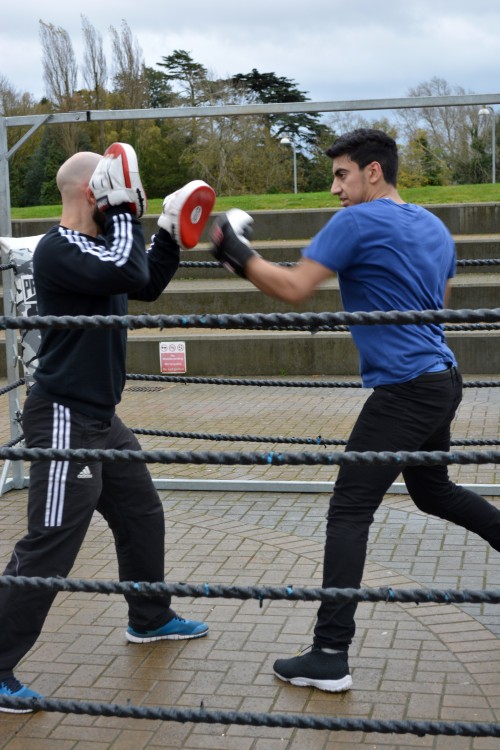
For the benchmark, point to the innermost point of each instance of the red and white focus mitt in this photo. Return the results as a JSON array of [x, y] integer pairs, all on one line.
[[116, 180], [230, 235], [186, 212]]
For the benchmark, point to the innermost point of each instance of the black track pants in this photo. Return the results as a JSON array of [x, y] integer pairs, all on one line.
[[404, 417], [63, 496]]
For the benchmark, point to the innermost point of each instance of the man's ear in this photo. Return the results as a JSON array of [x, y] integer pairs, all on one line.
[[375, 172], [90, 196]]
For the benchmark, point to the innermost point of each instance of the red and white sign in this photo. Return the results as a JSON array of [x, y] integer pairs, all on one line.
[[172, 356]]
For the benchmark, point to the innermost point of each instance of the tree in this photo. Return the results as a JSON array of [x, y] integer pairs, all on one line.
[[95, 73], [60, 73], [94, 70], [158, 88], [188, 74], [268, 88], [13, 102], [419, 164], [129, 78], [448, 128], [60, 70], [476, 168]]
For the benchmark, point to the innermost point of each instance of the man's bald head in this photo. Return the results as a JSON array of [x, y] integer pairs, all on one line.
[[74, 175]]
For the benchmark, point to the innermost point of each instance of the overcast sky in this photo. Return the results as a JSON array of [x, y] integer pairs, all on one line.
[[332, 50]]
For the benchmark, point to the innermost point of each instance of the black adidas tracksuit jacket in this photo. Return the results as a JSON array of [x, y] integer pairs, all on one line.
[[79, 275], [78, 382]]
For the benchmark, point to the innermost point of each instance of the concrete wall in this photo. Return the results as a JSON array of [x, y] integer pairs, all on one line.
[[477, 218]]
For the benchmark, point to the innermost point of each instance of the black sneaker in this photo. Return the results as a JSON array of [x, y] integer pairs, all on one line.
[[316, 669]]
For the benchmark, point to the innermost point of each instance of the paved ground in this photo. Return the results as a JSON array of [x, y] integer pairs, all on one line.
[[409, 662]]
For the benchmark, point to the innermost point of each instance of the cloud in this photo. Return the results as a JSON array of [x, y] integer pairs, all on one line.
[[331, 50]]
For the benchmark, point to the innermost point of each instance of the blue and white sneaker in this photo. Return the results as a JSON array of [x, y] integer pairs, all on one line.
[[12, 688], [176, 629]]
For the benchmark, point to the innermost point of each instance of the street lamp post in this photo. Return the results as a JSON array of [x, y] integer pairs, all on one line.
[[287, 142], [487, 111]]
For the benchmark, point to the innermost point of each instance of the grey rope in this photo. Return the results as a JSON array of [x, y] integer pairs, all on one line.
[[258, 593], [280, 383], [273, 458], [264, 438], [11, 386], [277, 438], [246, 718], [215, 264], [250, 320]]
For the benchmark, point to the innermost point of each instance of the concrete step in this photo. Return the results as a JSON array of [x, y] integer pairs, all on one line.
[[232, 295], [460, 218], [228, 294], [469, 247], [265, 353]]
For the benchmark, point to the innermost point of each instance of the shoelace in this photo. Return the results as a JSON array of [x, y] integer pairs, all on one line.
[[11, 684]]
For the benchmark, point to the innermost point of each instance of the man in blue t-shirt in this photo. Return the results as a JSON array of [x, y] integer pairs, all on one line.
[[388, 255]]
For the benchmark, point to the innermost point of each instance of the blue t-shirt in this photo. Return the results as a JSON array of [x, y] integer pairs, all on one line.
[[390, 256]]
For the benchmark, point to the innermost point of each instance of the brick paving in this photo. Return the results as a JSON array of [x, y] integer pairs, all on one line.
[[408, 662]]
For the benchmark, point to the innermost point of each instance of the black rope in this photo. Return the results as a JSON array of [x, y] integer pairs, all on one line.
[[6, 266], [261, 382], [246, 381], [239, 438], [280, 383], [250, 320], [479, 262], [420, 728], [11, 386], [274, 458], [257, 593], [276, 438], [215, 264], [12, 442], [264, 438]]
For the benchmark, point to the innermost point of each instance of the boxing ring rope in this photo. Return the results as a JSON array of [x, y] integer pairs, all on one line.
[[309, 321], [420, 728], [304, 321]]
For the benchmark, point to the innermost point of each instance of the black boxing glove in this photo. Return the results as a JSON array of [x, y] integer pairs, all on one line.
[[230, 235]]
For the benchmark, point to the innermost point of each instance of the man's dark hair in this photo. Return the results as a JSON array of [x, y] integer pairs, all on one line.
[[366, 145]]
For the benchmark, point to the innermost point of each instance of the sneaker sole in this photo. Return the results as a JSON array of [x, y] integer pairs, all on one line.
[[6, 710], [174, 637], [330, 686]]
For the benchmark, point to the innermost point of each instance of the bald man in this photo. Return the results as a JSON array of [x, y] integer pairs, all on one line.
[[91, 264]]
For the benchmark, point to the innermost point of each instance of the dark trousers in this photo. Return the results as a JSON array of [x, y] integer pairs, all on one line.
[[405, 417], [62, 498]]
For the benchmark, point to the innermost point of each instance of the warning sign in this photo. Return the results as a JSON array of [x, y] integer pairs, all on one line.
[[172, 356]]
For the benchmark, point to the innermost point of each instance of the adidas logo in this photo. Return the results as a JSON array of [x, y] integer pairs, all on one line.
[[85, 473]]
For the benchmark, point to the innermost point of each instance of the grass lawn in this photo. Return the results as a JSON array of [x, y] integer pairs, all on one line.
[[488, 193]]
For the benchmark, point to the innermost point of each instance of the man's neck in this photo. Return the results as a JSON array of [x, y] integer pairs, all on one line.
[[77, 222], [390, 192]]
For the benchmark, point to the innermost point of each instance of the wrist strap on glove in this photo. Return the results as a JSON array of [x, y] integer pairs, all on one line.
[[230, 235]]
